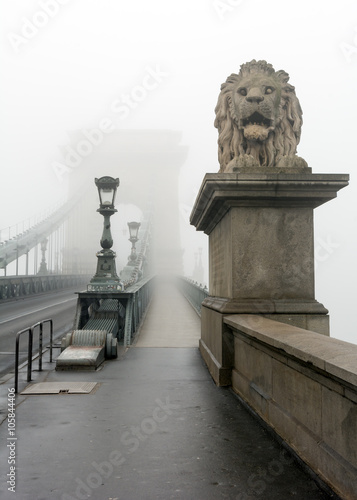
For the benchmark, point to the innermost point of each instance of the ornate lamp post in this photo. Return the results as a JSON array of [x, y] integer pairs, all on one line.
[[133, 230], [106, 278], [43, 265]]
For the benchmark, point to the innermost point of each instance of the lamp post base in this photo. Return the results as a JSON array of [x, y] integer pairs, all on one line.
[[106, 278]]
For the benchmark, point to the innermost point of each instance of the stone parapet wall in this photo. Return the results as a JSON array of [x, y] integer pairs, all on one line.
[[304, 385]]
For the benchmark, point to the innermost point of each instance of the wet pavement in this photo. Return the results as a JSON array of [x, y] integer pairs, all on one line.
[[156, 427]]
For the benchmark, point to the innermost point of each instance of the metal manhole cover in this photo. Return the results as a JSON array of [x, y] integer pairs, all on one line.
[[60, 388]]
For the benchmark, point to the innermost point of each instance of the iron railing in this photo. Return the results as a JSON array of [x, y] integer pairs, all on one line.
[[127, 306], [22, 286], [194, 292], [30, 331], [138, 296], [29, 355]]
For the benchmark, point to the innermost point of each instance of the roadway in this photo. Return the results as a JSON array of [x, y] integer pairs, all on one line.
[[16, 315]]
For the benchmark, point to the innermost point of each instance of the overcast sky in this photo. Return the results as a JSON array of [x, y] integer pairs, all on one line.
[[68, 65]]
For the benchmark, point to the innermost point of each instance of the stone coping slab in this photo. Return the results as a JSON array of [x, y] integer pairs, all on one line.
[[336, 357], [264, 306]]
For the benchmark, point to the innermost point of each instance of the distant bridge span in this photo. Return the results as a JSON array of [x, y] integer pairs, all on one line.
[[148, 165], [14, 248]]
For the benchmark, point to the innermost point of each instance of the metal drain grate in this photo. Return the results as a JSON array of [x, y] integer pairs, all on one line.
[[60, 388]]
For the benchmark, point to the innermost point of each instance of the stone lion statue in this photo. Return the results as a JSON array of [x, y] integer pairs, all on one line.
[[259, 119]]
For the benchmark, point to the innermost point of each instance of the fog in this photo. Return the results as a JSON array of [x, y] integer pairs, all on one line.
[[74, 66]]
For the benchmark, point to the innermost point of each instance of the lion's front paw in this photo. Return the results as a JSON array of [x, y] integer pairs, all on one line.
[[242, 162], [292, 162]]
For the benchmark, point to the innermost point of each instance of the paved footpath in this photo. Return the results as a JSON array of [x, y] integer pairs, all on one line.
[[156, 428], [172, 322]]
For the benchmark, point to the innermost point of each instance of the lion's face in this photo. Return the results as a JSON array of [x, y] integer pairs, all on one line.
[[255, 106], [258, 117]]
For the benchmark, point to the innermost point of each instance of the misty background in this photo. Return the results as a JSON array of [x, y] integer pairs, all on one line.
[[70, 66]]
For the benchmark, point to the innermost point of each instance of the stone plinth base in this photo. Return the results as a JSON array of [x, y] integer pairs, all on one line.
[[261, 253], [216, 344], [318, 323], [311, 315]]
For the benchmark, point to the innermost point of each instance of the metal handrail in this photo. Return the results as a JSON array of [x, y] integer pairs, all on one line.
[[40, 324], [29, 358], [138, 300], [30, 330], [13, 287], [194, 292]]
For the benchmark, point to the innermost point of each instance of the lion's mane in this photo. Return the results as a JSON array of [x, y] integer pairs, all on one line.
[[282, 141]]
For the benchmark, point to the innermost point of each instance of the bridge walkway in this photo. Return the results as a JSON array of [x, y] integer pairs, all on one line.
[[156, 428], [171, 321]]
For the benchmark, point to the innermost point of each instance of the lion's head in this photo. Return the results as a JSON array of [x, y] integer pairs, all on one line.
[[258, 117]]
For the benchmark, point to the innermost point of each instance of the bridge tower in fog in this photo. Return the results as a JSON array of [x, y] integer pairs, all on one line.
[[147, 163]]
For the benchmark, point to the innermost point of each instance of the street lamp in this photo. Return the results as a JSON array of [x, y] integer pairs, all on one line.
[[43, 265], [106, 278], [133, 231], [107, 189]]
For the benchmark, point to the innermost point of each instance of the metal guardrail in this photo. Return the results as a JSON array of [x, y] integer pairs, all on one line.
[[30, 331], [127, 306], [29, 356], [40, 325], [139, 296], [194, 292], [22, 286]]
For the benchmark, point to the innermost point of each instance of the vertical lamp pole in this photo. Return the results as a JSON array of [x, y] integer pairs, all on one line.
[[43, 265], [106, 278], [133, 230]]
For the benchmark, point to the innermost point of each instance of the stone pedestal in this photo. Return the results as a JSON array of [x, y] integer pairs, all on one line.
[[261, 253]]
